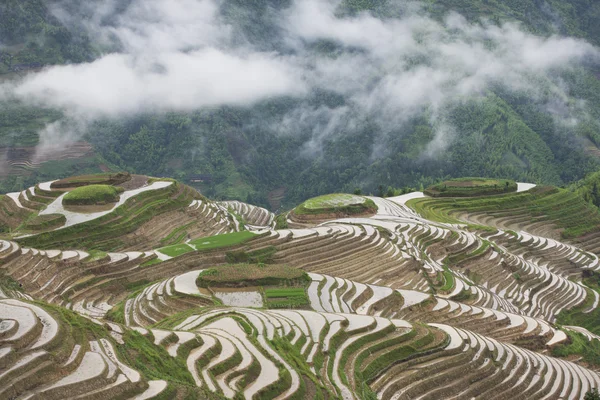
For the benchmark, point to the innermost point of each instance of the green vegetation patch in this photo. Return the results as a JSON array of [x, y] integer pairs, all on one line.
[[94, 179], [152, 361], [336, 203], [471, 187], [48, 221], [563, 208], [177, 235], [240, 275], [7, 283], [262, 255], [578, 316], [225, 240], [95, 255], [281, 221], [151, 262], [335, 200], [579, 345], [92, 195], [176, 249], [209, 243], [448, 280], [291, 297]]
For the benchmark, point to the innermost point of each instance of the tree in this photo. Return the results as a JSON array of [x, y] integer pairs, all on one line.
[[592, 395], [596, 194]]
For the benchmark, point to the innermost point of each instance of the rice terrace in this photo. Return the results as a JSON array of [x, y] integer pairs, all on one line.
[[299, 199], [170, 295]]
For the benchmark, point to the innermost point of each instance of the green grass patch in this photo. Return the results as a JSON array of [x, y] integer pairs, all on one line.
[[239, 218], [7, 283], [176, 249], [208, 243], [151, 262], [579, 345], [292, 297], [152, 361], [117, 313], [173, 320], [43, 222], [336, 203], [92, 195], [448, 280], [225, 240], [95, 255], [177, 235], [241, 275], [263, 255]]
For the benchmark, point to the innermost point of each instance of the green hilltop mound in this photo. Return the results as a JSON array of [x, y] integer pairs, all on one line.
[[93, 179], [93, 195], [471, 187], [240, 275], [336, 203]]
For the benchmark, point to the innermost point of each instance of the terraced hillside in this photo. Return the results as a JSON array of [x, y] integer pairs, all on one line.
[[149, 213], [410, 298]]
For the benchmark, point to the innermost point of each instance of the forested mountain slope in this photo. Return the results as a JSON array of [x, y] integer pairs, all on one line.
[[432, 89]]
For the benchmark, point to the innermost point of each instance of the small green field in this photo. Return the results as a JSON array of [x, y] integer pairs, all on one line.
[[176, 249], [48, 221], [292, 297], [95, 255], [207, 243], [240, 275], [471, 187], [227, 239], [92, 195], [335, 203]]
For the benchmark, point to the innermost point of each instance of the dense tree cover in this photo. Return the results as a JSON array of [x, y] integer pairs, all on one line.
[[240, 152], [589, 188], [241, 159], [34, 37], [577, 18], [592, 395]]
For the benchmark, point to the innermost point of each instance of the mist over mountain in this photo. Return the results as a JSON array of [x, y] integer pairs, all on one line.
[[289, 99]]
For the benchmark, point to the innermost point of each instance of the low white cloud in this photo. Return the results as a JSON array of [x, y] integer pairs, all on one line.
[[179, 55], [122, 83], [175, 55], [394, 69]]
